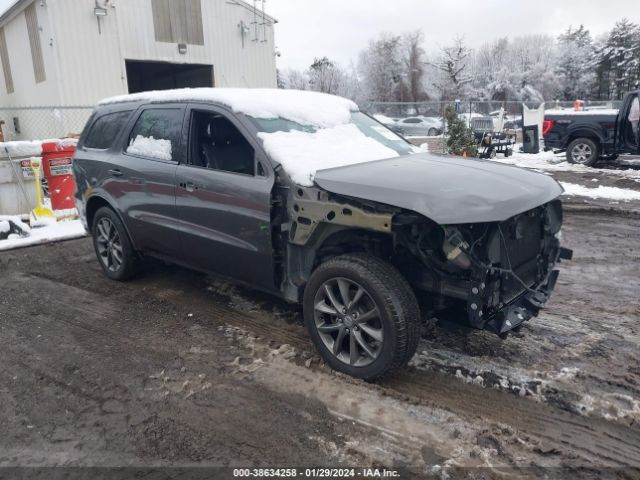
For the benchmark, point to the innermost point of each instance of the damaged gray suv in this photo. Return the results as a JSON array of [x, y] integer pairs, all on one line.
[[301, 195]]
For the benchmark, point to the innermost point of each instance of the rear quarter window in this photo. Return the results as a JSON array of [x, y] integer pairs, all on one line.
[[105, 129]]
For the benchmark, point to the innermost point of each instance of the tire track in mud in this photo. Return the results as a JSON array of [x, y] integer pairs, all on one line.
[[595, 441]]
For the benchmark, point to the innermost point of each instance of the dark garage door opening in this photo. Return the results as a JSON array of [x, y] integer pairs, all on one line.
[[145, 76]]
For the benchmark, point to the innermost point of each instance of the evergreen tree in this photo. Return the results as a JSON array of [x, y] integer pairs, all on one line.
[[618, 62], [574, 63], [461, 138]]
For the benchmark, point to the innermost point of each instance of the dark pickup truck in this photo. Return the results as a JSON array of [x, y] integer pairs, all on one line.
[[593, 135]]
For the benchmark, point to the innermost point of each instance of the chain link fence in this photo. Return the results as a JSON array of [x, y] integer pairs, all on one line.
[[467, 108], [37, 123]]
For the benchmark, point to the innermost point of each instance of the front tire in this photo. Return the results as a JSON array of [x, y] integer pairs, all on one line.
[[113, 248], [362, 316], [432, 132], [583, 151]]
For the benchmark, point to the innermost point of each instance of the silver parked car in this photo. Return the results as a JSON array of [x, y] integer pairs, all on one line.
[[420, 126]]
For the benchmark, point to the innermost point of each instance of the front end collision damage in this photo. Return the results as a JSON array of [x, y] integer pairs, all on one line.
[[501, 273]]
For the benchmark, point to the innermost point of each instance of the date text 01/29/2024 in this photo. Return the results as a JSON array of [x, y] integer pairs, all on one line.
[[315, 473]]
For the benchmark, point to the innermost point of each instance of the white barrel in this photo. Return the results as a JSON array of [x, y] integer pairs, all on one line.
[[12, 198]]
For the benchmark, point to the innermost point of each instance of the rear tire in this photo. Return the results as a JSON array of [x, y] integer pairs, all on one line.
[[339, 300], [583, 151], [432, 132], [116, 255]]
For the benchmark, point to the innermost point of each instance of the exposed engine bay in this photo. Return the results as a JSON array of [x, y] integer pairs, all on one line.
[[504, 271]]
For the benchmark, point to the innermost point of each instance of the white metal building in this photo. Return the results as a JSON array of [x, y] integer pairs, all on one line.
[[72, 53]]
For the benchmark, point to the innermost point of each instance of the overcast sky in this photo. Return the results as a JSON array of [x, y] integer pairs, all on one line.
[[4, 4], [339, 29]]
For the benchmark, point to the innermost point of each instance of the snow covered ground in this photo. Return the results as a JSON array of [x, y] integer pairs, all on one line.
[[48, 232], [611, 193], [617, 182], [551, 162]]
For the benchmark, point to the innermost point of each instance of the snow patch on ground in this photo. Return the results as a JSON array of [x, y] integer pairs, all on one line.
[[52, 231], [301, 154], [304, 107], [151, 147], [547, 386], [551, 162], [612, 193]]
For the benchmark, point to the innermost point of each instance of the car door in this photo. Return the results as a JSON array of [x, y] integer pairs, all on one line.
[[223, 198], [628, 126], [144, 176]]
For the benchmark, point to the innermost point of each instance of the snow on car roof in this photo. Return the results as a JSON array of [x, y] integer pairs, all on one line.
[[335, 141], [569, 111], [304, 107]]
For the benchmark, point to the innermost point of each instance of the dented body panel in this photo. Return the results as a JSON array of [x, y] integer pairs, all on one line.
[[448, 190]]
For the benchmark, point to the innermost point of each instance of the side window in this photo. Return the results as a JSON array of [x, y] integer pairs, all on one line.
[[156, 134], [217, 144], [412, 120], [105, 130]]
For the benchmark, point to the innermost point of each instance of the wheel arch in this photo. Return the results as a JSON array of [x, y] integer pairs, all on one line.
[[95, 203], [583, 132], [352, 240], [330, 241]]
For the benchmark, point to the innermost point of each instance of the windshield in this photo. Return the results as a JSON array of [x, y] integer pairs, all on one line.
[[367, 125]]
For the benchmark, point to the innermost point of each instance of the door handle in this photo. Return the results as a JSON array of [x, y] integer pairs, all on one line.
[[116, 172]]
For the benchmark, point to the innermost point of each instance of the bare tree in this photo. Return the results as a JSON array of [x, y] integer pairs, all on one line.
[[453, 64], [415, 66], [326, 76], [294, 79]]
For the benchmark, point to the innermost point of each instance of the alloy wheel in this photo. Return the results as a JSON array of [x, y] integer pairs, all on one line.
[[348, 322], [581, 153], [109, 245]]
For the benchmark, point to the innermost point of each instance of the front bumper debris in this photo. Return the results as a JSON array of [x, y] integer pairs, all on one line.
[[521, 309], [525, 306]]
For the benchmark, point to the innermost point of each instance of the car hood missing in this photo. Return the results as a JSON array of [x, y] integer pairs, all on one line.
[[448, 190]]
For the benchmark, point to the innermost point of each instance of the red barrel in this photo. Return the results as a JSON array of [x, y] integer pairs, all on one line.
[[57, 162]]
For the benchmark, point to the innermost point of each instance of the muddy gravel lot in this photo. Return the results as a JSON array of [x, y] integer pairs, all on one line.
[[181, 369]]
